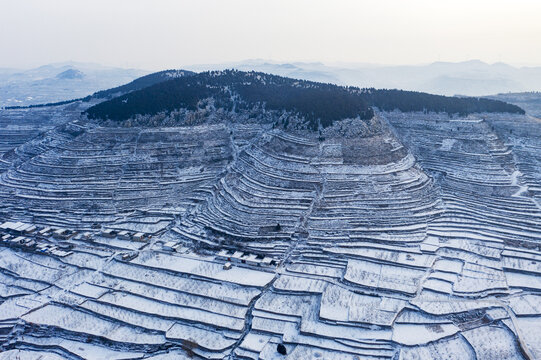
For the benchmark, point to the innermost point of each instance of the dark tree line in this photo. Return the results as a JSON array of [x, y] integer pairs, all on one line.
[[320, 104], [45, 105], [408, 101]]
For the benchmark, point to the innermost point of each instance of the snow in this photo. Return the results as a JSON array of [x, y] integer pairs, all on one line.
[[526, 304], [530, 328], [80, 322], [89, 290], [82, 349], [269, 325], [397, 278], [165, 310], [29, 355], [395, 256], [320, 270], [450, 306], [523, 280], [342, 305], [206, 268], [14, 308], [420, 334], [127, 316], [514, 182], [476, 278], [455, 348], [491, 342], [207, 339], [8, 291], [451, 266], [438, 285], [354, 333], [255, 342], [299, 284], [447, 144], [180, 298], [25, 268], [174, 354], [225, 291]]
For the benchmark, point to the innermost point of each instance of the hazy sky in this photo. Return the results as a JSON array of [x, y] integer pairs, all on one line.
[[157, 34]]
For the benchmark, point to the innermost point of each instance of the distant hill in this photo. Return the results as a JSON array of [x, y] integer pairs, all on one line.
[[529, 101], [469, 78], [60, 82], [318, 103], [70, 74]]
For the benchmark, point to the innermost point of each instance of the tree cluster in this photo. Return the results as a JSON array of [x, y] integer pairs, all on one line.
[[411, 101]]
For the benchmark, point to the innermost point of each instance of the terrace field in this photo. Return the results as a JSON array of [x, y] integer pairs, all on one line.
[[410, 235]]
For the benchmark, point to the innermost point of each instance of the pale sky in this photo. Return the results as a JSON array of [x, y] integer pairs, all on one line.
[[158, 34]]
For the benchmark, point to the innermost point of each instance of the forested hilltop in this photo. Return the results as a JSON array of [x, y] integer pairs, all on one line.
[[320, 104]]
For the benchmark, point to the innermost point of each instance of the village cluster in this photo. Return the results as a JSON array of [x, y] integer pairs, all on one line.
[[54, 241]]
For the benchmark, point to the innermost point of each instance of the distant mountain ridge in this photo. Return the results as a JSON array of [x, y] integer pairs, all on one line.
[[55, 82], [469, 78]]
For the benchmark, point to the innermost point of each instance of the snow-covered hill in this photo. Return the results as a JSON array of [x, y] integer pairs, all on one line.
[[59, 82]]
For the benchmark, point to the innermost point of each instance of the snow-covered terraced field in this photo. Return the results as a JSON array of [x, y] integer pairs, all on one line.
[[28, 126], [421, 240], [113, 175]]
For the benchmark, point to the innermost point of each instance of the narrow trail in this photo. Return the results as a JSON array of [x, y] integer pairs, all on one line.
[[512, 317], [236, 150], [281, 268], [520, 336], [249, 317], [301, 225]]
